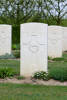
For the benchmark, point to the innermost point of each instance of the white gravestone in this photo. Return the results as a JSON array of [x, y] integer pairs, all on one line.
[[64, 38], [54, 41], [33, 48], [5, 39]]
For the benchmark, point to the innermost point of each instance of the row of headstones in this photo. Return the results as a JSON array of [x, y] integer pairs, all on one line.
[[57, 38], [38, 41]]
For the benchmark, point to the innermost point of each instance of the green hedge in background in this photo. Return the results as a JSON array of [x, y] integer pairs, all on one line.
[[16, 34]]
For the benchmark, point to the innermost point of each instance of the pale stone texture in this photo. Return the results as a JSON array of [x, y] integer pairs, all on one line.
[[5, 39], [55, 41], [33, 48], [64, 38]]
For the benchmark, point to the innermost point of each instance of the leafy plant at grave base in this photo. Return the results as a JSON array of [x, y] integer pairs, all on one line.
[[41, 75], [20, 77], [6, 72], [58, 73], [16, 53], [16, 46], [7, 56], [58, 59]]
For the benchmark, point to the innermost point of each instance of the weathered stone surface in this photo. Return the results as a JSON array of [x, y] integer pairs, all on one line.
[[64, 38], [55, 41], [33, 48], [5, 39]]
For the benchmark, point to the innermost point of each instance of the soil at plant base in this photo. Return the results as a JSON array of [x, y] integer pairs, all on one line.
[[33, 81]]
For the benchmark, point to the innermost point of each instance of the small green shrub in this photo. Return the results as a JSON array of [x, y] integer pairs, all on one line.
[[16, 46], [41, 75], [16, 53], [58, 73], [6, 72], [7, 56]]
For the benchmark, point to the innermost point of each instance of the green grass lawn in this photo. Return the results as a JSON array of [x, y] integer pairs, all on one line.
[[15, 64], [32, 92]]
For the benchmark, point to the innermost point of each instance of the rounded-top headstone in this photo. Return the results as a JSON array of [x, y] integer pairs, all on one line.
[[33, 48], [55, 41], [5, 39]]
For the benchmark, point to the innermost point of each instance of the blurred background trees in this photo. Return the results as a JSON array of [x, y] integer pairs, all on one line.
[[21, 11], [15, 12]]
